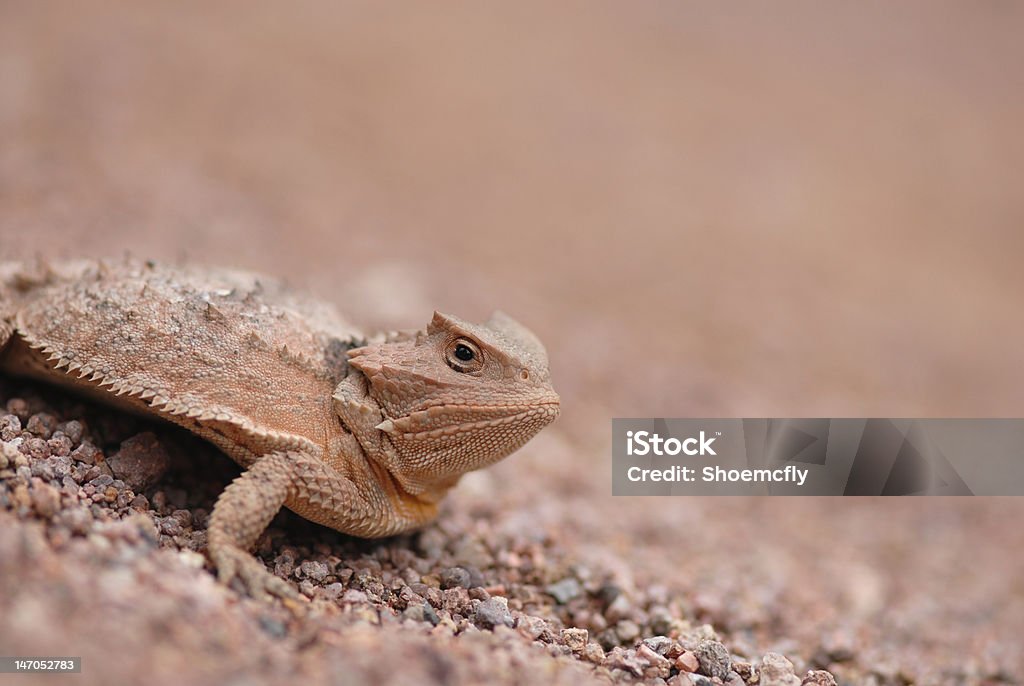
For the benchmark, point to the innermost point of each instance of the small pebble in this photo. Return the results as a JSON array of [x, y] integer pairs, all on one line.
[[19, 408], [471, 552], [41, 424], [421, 613], [10, 427], [534, 628], [492, 613], [608, 593], [479, 593], [659, 644], [627, 631], [169, 526], [456, 600], [565, 590], [86, 453], [839, 646], [628, 661], [101, 481], [687, 662], [593, 653], [414, 612], [43, 469], [35, 448], [430, 614], [575, 639], [60, 445], [455, 577], [45, 499], [76, 519], [744, 669], [776, 670], [620, 608], [332, 591], [476, 579], [652, 657], [140, 462], [313, 569], [61, 465], [354, 596], [73, 430], [819, 677], [284, 564], [660, 619], [714, 659], [608, 639]]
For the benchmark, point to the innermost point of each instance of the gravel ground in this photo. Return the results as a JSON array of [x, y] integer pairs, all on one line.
[[104, 522], [794, 210]]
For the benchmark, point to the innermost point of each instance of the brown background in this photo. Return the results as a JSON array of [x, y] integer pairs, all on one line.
[[799, 210]]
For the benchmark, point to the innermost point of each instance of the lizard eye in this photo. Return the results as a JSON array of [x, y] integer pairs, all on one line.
[[463, 355]]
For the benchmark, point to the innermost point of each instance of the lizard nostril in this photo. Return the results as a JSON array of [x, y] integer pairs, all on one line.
[[524, 375]]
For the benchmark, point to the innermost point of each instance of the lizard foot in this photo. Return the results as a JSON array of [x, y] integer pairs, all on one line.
[[234, 563]]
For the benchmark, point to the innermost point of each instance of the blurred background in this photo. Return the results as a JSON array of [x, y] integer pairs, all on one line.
[[799, 210]]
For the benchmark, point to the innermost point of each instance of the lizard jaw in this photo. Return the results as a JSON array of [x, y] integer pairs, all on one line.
[[429, 424]]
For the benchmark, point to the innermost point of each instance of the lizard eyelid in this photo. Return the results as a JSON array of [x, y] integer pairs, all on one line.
[[464, 355]]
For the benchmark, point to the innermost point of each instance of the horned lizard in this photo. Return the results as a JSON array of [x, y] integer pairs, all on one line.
[[362, 434]]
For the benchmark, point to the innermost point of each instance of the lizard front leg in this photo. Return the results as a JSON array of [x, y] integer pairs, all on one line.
[[241, 514], [301, 482]]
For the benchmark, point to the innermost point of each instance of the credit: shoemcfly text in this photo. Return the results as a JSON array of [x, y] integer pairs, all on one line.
[[789, 474]]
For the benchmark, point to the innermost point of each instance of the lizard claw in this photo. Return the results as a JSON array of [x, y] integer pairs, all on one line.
[[234, 563]]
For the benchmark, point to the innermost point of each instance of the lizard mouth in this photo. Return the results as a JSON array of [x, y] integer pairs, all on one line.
[[455, 422]]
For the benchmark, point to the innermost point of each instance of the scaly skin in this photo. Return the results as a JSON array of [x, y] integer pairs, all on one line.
[[362, 435]]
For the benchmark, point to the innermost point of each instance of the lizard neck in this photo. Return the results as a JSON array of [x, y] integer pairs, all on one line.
[[419, 503]]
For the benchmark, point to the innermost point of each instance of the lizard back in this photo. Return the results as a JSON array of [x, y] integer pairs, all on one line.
[[235, 358]]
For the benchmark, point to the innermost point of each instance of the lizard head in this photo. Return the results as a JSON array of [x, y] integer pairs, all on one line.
[[458, 396]]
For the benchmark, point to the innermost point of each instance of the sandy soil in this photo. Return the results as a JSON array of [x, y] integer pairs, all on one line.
[[799, 211]]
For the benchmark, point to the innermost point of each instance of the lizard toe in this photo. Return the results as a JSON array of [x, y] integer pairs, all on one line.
[[235, 564]]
